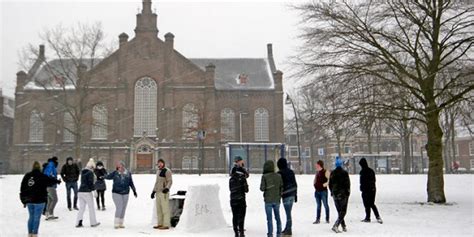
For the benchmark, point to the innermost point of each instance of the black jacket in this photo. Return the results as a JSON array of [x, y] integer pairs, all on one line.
[[238, 187], [100, 182], [339, 183], [33, 187], [367, 177], [70, 173], [289, 181], [87, 181]]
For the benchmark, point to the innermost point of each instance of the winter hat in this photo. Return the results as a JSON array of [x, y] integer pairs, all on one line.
[[339, 162], [99, 163], [90, 164], [36, 166], [69, 159], [363, 163], [282, 163], [238, 158]]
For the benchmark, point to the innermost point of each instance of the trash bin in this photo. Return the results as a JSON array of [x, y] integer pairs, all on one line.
[[176, 206]]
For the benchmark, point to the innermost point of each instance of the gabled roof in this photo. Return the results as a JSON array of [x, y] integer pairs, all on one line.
[[57, 69], [227, 72], [256, 71]]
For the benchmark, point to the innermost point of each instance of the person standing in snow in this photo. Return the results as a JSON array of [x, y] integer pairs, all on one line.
[[238, 187], [320, 183], [70, 175], [289, 194], [368, 189], [122, 182], [51, 171], [100, 186], [33, 195], [272, 186], [161, 189], [340, 186], [86, 195], [239, 165]]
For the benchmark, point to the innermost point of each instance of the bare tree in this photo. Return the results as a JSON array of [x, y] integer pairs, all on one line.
[[64, 76], [407, 45]]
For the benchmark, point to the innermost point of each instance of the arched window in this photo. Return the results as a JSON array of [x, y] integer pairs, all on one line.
[[190, 121], [189, 163], [145, 107], [99, 125], [68, 133], [261, 125], [36, 127], [227, 124]]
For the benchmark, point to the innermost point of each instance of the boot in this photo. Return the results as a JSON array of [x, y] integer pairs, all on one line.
[[379, 220], [344, 229], [79, 225], [117, 223], [96, 224], [365, 220], [121, 223], [317, 221], [335, 229], [103, 208]]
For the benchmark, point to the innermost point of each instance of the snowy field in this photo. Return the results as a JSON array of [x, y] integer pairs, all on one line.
[[399, 199]]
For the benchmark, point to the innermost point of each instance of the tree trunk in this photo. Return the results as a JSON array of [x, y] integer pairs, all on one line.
[[435, 187]]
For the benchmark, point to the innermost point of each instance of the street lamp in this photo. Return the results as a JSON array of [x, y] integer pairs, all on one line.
[[201, 135], [288, 100]]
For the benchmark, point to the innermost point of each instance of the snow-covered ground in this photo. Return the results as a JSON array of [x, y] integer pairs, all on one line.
[[400, 199]]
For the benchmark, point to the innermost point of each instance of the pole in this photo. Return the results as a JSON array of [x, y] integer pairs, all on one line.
[[297, 134]]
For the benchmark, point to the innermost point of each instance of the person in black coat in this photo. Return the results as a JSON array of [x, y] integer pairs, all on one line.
[[70, 174], [100, 172], [368, 189], [238, 187], [289, 194], [33, 195], [340, 186]]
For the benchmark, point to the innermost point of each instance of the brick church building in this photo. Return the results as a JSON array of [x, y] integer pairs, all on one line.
[[144, 102]]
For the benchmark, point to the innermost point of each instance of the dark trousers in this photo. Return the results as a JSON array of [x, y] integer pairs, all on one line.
[[100, 195], [69, 186], [341, 207], [369, 203], [239, 209]]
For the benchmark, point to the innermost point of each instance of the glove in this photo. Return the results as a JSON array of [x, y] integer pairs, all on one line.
[[135, 194], [153, 195], [166, 190], [296, 198]]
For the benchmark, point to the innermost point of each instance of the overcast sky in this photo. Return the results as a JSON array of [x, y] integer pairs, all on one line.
[[202, 29]]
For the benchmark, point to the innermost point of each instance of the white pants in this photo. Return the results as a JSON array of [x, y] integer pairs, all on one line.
[[86, 199]]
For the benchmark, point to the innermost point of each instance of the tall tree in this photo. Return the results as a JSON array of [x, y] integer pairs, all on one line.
[[63, 75], [407, 45]]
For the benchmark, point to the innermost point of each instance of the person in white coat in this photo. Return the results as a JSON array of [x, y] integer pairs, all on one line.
[[86, 195]]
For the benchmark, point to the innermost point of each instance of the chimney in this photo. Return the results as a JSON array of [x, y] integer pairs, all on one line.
[[269, 51], [210, 71], [278, 77], [41, 52], [169, 40], [21, 80], [123, 38]]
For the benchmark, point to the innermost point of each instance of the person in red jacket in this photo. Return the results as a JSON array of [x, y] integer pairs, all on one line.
[[320, 183]]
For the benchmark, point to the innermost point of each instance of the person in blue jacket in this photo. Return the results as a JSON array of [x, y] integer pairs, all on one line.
[[122, 182], [51, 171]]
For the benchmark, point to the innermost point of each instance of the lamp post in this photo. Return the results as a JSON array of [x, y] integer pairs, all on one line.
[[290, 101], [201, 135]]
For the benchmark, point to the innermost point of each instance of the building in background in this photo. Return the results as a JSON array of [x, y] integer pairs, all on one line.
[[149, 102], [7, 106]]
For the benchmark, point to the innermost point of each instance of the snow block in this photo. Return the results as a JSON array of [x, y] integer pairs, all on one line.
[[202, 209]]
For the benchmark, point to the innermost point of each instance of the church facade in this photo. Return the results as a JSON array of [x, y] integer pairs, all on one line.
[[147, 101]]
